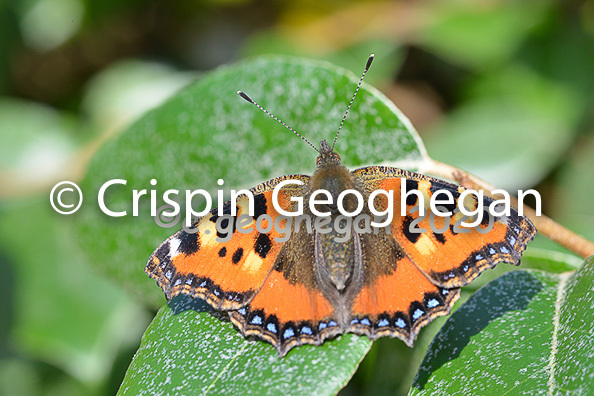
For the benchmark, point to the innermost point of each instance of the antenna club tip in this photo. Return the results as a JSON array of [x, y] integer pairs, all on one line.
[[369, 61], [245, 96]]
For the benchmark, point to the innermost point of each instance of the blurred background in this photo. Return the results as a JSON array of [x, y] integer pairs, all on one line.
[[502, 89]]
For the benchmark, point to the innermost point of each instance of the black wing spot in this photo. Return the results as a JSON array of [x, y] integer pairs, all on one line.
[[226, 210], [263, 245], [411, 199], [437, 188], [440, 237], [189, 243], [259, 206], [412, 237], [237, 256], [223, 252], [486, 219], [452, 229], [226, 225]]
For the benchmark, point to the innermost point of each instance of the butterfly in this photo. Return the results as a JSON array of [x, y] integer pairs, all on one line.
[[310, 287]]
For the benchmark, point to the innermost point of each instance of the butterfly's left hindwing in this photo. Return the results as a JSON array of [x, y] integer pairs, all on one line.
[[287, 314], [225, 274]]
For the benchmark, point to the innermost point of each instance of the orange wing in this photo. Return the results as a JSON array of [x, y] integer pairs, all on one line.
[[399, 304], [449, 258], [225, 274], [431, 266], [287, 315]]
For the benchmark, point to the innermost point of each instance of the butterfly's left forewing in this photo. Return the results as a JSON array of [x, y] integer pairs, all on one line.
[[225, 274]]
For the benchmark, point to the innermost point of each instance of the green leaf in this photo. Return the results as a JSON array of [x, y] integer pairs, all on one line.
[[388, 58], [572, 357], [188, 349], [127, 89], [533, 258], [527, 331], [206, 132]]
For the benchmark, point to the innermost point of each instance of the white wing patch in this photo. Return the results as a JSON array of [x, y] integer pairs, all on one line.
[[174, 244]]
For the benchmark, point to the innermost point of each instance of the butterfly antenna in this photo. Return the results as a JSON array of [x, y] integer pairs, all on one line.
[[247, 98], [353, 98]]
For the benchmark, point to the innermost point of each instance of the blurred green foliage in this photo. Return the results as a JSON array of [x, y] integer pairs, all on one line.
[[502, 89]]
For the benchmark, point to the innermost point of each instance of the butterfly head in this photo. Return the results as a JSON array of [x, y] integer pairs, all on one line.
[[327, 155]]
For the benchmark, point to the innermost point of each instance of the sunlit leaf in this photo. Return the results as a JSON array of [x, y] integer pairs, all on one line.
[[188, 349], [527, 331]]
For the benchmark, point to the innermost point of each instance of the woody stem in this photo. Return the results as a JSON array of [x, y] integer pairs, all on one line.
[[545, 225]]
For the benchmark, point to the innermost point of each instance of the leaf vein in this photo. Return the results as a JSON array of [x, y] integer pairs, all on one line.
[[554, 342]]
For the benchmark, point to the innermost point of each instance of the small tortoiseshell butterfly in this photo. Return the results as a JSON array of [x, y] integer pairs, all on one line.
[[311, 287]]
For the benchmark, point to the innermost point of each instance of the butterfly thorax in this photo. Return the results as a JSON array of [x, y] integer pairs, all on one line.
[[338, 264]]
